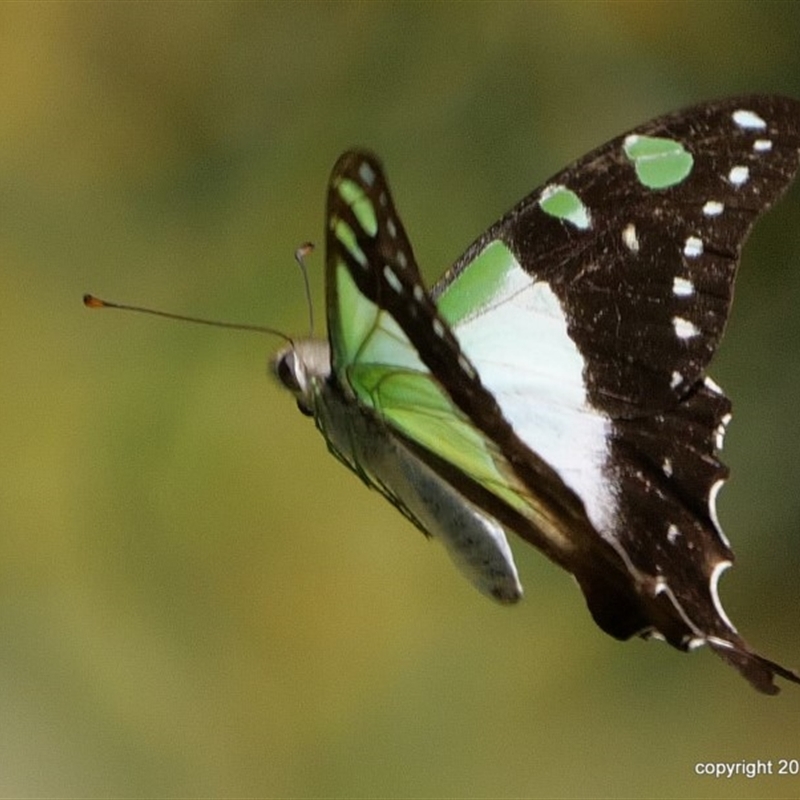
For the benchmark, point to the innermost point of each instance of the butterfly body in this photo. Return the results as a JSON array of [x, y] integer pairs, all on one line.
[[552, 383]]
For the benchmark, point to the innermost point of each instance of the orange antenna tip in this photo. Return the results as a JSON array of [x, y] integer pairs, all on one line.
[[304, 250], [90, 301]]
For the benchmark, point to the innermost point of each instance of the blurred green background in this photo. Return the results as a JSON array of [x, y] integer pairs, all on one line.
[[195, 599]]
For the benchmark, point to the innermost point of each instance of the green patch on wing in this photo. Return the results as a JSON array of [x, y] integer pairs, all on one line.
[[362, 206], [354, 320], [562, 203], [365, 334], [474, 287], [659, 162], [413, 403]]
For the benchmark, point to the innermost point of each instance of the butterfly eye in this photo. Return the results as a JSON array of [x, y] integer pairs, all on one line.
[[287, 371], [291, 372]]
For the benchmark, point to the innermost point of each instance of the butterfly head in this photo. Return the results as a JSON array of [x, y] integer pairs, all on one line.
[[300, 367]]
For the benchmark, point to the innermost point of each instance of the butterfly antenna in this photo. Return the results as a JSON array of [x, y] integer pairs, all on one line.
[[300, 254], [90, 301]]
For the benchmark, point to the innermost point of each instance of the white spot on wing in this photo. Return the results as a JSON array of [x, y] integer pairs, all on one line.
[[682, 287], [629, 238], [762, 145], [684, 329], [466, 366], [391, 228], [712, 510], [676, 380], [748, 119], [419, 293], [738, 176], [366, 173], [712, 385], [712, 586], [693, 247], [673, 532], [392, 279], [713, 208], [719, 434], [666, 467]]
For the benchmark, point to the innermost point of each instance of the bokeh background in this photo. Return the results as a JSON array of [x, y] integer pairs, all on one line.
[[195, 599]]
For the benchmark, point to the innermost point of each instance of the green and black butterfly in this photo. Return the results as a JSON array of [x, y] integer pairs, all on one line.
[[552, 383]]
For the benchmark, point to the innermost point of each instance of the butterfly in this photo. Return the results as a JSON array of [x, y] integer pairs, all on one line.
[[553, 382]]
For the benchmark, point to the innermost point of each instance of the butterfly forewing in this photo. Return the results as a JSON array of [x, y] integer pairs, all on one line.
[[653, 265]]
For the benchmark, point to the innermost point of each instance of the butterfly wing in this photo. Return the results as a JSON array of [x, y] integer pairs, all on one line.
[[598, 436], [395, 354], [642, 260]]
